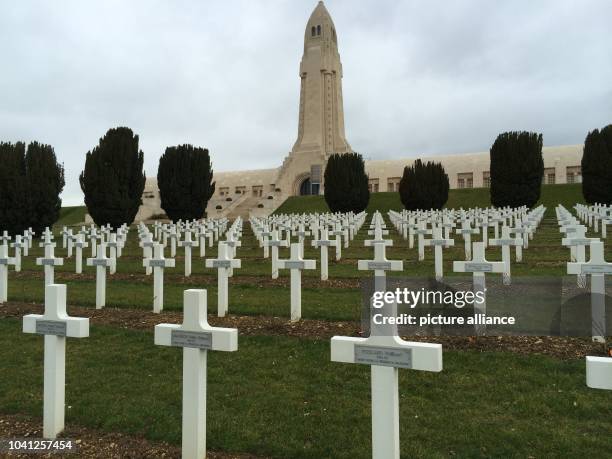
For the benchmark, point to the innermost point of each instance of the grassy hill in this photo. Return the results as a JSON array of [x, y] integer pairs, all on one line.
[[71, 215], [568, 195]]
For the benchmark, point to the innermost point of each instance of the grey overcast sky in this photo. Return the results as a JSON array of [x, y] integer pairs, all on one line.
[[420, 77]]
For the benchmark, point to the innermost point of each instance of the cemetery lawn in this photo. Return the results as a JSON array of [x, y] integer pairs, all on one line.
[[72, 215], [565, 194], [282, 397]]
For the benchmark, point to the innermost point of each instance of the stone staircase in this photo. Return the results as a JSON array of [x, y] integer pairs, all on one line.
[[243, 208]]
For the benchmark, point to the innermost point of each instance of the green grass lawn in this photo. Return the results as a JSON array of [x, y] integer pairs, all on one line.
[[568, 195], [72, 215], [283, 397]]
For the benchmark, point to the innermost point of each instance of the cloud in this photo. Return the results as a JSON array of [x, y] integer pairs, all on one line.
[[419, 77]]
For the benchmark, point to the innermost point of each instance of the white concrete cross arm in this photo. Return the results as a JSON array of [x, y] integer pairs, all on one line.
[[599, 372], [43, 261], [159, 263], [596, 265], [389, 351], [195, 331], [297, 264], [392, 265], [55, 320]]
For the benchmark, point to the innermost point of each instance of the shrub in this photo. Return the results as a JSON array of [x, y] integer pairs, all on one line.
[[597, 166], [14, 209], [424, 186], [45, 182], [346, 183], [113, 180], [517, 169], [184, 178]]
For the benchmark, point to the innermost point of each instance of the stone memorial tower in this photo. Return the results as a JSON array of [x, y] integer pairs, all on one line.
[[321, 113]]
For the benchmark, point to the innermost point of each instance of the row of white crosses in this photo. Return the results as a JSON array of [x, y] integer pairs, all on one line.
[[195, 336], [596, 267], [225, 263], [598, 369], [325, 231], [439, 225], [596, 216], [385, 352]]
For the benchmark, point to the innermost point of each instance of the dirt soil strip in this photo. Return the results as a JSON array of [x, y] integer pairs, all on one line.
[[558, 347], [91, 443], [196, 279]]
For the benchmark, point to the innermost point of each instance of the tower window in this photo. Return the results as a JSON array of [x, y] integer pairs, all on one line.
[[313, 31], [318, 30]]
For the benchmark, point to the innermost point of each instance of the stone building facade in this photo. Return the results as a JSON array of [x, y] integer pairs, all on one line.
[[321, 133]]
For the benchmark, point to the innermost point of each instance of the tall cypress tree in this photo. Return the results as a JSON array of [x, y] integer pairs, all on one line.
[[14, 208], [517, 169], [597, 166], [113, 180], [346, 183], [424, 186], [45, 181], [184, 178]]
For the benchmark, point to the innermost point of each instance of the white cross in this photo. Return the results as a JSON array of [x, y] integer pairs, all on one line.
[[196, 337], [5, 238], [301, 234], [158, 263], [49, 262], [56, 325], [147, 250], [324, 243], [598, 268], [69, 244], [505, 242], [264, 235], [478, 266], [379, 264], [275, 243], [173, 240], [577, 243], [466, 231], [94, 238], [202, 240], [5, 261], [101, 262], [421, 232], [18, 245], [47, 238], [188, 244], [338, 233], [28, 236], [65, 234], [223, 263], [232, 243], [385, 352], [296, 264], [79, 245], [113, 247], [438, 242]]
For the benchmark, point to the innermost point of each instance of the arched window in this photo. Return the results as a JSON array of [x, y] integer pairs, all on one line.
[[318, 30], [313, 31], [305, 188]]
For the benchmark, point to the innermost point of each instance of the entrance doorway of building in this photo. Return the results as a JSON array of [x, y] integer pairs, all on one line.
[[307, 188]]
